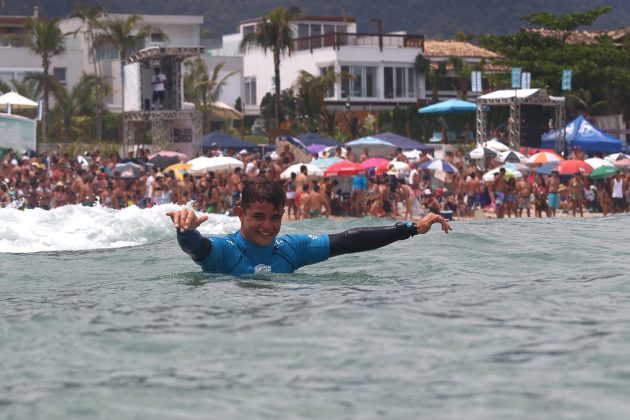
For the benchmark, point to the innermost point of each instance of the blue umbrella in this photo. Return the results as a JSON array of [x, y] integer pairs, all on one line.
[[452, 106], [547, 168], [439, 164], [325, 163]]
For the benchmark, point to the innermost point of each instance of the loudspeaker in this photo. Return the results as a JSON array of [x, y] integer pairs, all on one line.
[[534, 123]]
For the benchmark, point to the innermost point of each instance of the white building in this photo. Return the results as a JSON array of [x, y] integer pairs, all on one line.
[[382, 64], [179, 31]]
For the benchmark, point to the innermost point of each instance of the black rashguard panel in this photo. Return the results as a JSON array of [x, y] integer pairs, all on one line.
[[193, 244], [368, 238]]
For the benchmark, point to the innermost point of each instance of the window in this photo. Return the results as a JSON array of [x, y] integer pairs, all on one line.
[[157, 38], [361, 82], [330, 90], [59, 73], [250, 91], [399, 82], [249, 29]]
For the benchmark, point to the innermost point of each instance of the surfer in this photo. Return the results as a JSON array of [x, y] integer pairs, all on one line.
[[256, 247]]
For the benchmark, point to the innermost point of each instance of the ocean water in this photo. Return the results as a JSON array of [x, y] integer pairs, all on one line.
[[102, 316]]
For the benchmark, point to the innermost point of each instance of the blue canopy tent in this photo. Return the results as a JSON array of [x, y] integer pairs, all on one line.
[[225, 141], [582, 134], [314, 138], [403, 142], [451, 106]]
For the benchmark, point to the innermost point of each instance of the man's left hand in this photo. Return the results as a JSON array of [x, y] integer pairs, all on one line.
[[424, 225]]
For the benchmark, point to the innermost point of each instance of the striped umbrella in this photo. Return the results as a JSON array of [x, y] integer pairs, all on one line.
[[570, 167], [439, 165], [543, 157], [512, 156]]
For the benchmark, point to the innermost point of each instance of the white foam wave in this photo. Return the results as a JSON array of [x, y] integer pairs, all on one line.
[[73, 228]]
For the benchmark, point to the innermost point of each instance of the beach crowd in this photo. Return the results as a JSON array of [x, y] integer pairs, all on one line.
[[44, 181]]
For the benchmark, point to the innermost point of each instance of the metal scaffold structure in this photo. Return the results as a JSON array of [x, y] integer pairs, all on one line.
[[169, 127], [516, 99]]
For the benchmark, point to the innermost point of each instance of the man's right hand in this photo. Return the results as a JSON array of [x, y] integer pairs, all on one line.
[[186, 219]]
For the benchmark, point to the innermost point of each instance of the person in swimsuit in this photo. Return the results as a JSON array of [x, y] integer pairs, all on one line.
[[257, 248], [576, 193]]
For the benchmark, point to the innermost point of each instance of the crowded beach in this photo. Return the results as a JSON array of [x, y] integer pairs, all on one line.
[[490, 181]]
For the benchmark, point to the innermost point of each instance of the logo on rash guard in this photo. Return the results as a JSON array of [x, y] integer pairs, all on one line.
[[313, 237], [262, 268]]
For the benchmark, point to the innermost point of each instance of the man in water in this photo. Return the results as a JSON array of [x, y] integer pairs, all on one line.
[[256, 247]]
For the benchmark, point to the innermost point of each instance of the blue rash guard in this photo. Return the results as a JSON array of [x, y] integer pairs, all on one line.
[[234, 255]]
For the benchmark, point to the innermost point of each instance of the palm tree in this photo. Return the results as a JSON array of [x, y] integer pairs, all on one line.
[[44, 38], [274, 34], [201, 89], [91, 20], [311, 93], [124, 36]]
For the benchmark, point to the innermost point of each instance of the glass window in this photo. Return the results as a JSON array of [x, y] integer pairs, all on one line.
[[388, 82], [250, 91], [248, 29], [362, 81], [59, 73], [330, 90], [411, 83], [399, 82], [157, 37]]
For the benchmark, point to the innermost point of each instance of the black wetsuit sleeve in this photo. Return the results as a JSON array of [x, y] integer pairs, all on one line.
[[368, 238], [193, 244]]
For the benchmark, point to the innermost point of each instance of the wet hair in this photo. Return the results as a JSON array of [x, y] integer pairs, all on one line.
[[263, 189]]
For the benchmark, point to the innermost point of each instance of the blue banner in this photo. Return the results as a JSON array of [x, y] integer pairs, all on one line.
[[516, 77], [566, 79]]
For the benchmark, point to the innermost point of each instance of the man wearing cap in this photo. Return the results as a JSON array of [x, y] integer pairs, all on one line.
[[552, 196]]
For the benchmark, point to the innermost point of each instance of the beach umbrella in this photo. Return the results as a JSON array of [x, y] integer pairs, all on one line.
[[376, 147], [509, 173], [312, 171], [326, 162], [547, 168], [597, 162], [514, 166], [204, 164], [162, 161], [316, 148], [495, 145], [570, 167], [15, 100], [345, 168], [129, 170], [224, 111], [373, 162], [616, 156], [604, 172], [623, 163], [415, 154], [450, 106], [481, 153], [512, 156], [393, 167], [180, 169], [543, 157], [439, 165]]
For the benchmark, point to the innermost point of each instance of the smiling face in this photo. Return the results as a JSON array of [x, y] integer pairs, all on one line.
[[261, 222]]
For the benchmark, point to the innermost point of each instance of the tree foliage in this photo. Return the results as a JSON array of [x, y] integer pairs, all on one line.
[[601, 69]]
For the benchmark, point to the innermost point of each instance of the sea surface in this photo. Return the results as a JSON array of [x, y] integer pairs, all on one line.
[[102, 316]]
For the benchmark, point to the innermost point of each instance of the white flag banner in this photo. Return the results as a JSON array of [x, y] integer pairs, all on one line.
[[526, 81], [40, 110], [475, 81]]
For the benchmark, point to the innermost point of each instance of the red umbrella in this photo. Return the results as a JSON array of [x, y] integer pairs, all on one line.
[[344, 168], [373, 162], [570, 167]]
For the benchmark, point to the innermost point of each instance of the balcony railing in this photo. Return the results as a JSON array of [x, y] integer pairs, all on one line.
[[340, 39]]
